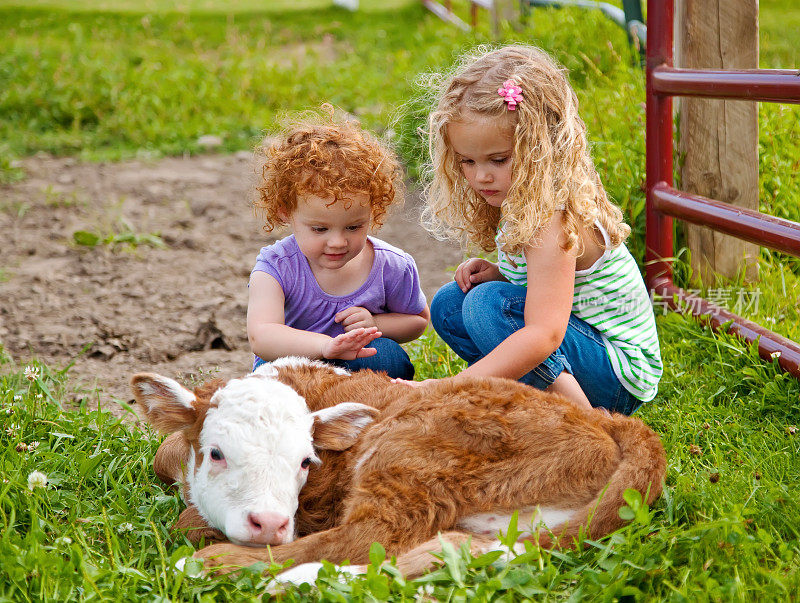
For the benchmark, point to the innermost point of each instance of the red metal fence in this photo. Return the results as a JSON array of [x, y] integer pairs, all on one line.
[[664, 201]]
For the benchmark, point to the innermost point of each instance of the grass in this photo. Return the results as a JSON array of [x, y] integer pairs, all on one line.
[[203, 6], [126, 238], [114, 80], [724, 530], [9, 170], [104, 84], [109, 85]]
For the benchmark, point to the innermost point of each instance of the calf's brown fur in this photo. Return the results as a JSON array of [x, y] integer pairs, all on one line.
[[437, 454]]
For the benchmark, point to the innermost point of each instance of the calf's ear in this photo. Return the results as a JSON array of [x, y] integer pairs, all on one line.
[[167, 405], [338, 427]]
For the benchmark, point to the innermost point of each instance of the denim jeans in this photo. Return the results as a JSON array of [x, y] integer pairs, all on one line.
[[390, 358], [474, 323]]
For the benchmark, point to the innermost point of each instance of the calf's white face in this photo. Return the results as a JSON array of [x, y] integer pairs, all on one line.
[[255, 451]]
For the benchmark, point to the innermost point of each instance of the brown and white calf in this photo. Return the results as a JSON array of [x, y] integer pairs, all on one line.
[[302, 449]]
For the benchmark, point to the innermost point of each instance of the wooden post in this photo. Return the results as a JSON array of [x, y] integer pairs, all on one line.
[[719, 139]]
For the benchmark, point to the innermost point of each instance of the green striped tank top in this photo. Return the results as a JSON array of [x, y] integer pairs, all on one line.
[[612, 297]]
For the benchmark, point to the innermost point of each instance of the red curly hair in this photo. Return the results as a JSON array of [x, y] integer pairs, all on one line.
[[337, 160]]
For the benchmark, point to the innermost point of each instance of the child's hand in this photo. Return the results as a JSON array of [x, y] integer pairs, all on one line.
[[355, 317], [413, 383], [474, 271], [350, 345]]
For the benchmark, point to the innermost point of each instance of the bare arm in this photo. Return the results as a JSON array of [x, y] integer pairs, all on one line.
[[548, 303], [403, 327], [271, 338], [400, 327]]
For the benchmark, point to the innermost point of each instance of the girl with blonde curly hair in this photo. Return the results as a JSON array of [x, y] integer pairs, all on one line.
[[564, 308], [329, 291]]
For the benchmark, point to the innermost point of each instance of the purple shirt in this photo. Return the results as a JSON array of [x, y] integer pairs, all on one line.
[[392, 286]]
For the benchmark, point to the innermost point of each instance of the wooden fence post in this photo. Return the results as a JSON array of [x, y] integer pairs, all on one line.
[[719, 139]]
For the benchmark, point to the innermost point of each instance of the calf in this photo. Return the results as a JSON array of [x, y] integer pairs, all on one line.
[[342, 460]]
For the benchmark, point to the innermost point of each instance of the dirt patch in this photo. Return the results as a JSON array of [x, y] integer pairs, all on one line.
[[115, 309]]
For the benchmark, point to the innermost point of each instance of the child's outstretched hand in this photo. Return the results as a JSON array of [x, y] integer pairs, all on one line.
[[474, 271], [355, 317], [413, 383], [350, 345]]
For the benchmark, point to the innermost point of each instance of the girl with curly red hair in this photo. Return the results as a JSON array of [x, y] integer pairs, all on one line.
[[330, 291]]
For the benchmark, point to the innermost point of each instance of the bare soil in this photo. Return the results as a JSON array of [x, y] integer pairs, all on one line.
[[115, 310]]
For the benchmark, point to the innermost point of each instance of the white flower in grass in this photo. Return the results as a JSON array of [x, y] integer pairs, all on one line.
[[36, 479], [18, 398], [66, 540], [125, 527], [190, 566], [33, 445], [424, 593], [31, 372]]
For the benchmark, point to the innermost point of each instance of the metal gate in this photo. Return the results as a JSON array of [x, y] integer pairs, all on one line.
[[665, 202]]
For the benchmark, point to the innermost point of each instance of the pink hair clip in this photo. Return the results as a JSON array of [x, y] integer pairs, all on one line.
[[511, 93]]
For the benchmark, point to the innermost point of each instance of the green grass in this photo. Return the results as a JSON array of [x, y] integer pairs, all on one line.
[[126, 238], [779, 22], [111, 80], [108, 85], [203, 6], [149, 82], [724, 530]]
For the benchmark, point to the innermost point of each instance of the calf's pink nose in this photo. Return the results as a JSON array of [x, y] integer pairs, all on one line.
[[268, 527]]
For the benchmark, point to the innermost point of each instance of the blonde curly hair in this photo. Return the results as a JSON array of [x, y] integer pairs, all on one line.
[[319, 156], [551, 164]]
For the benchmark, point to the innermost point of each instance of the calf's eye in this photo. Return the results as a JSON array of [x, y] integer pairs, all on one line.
[[306, 463], [216, 455]]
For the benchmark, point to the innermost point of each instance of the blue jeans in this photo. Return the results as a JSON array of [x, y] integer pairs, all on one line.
[[391, 358], [474, 323]]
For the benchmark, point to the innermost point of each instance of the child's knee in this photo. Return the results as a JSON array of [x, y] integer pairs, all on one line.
[[448, 296], [484, 298], [446, 302], [400, 364], [391, 359]]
